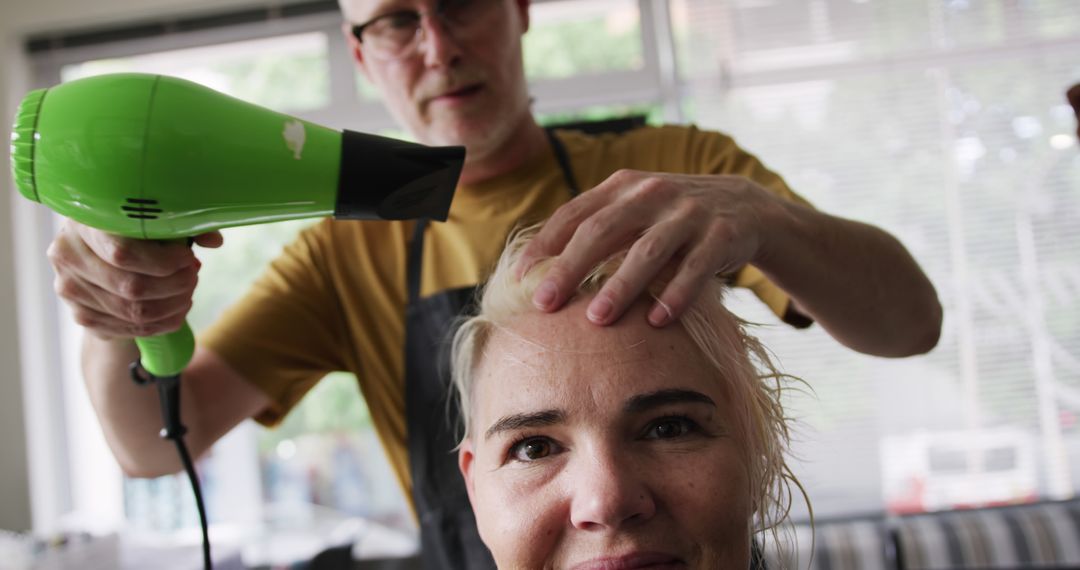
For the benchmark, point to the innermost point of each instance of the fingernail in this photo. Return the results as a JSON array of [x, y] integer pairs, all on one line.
[[659, 315], [599, 310], [545, 295]]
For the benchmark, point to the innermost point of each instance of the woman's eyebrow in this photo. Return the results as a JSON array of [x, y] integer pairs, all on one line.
[[645, 402], [527, 420]]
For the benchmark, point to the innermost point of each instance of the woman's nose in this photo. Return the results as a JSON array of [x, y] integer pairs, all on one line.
[[608, 493]]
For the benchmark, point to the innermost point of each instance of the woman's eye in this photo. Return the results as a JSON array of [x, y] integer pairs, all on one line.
[[531, 449], [668, 428]]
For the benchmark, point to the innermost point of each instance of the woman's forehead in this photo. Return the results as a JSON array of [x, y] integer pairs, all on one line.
[[568, 333], [563, 355]]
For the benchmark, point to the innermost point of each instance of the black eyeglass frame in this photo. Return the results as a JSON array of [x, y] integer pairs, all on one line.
[[358, 29], [414, 15]]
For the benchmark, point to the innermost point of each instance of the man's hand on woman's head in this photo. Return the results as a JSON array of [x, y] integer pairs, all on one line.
[[121, 287], [695, 225]]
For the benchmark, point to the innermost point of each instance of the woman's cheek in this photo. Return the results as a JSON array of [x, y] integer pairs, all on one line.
[[525, 516], [712, 502]]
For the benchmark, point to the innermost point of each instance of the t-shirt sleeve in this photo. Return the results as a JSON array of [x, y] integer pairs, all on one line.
[[719, 154], [286, 333]]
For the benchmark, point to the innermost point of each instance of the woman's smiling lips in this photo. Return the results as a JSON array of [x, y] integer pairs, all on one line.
[[635, 561]]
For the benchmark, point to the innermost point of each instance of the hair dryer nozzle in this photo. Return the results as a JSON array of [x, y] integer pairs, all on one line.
[[388, 179]]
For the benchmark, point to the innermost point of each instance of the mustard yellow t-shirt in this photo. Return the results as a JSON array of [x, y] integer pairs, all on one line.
[[335, 299]]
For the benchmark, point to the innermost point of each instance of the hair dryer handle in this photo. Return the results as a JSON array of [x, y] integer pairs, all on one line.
[[167, 354]]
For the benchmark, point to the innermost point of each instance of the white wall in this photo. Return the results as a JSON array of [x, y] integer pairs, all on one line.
[[18, 20], [14, 493]]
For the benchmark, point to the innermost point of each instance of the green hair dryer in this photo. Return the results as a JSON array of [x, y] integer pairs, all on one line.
[[155, 157]]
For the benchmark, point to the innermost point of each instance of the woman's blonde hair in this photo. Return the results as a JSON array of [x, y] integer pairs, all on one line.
[[738, 357]]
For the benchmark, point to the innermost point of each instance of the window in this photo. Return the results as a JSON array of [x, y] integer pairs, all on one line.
[[287, 73], [585, 55], [944, 123], [568, 39]]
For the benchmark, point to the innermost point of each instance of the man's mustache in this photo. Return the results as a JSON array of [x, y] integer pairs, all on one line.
[[439, 84]]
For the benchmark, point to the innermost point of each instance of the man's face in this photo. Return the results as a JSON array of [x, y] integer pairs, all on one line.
[[464, 84], [604, 447]]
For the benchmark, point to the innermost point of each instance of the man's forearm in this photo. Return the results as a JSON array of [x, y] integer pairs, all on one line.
[[214, 398], [130, 414], [857, 281]]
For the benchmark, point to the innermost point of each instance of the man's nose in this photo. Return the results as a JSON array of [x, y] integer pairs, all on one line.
[[437, 42], [609, 493]]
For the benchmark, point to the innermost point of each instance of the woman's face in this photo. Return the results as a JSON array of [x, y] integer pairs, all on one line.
[[604, 448]]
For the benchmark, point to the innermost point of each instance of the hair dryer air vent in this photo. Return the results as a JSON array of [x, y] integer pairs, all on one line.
[[22, 143]]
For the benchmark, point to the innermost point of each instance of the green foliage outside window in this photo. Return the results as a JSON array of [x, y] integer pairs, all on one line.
[[578, 47], [334, 405], [295, 83]]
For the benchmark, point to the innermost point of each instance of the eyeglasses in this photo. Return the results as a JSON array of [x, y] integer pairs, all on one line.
[[396, 35]]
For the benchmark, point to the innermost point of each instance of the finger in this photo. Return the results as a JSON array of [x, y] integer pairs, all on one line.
[[690, 278], [210, 240], [100, 324], [71, 256], [107, 326], [80, 294], [77, 292], [561, 226], [143, 312], [557, 231], [599, 236], [147, 257], [650, 254], [135, 286]]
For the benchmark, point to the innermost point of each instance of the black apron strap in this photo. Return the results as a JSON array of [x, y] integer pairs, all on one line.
[[563, 159], [416, 246], [416, 260]]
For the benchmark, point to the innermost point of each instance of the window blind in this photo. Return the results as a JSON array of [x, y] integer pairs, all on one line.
[[945, 123]]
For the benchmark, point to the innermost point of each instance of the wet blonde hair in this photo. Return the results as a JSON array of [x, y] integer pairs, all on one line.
[[739, 358]]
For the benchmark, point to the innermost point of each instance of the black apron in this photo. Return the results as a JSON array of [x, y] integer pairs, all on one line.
[[448, 536], [449, 539]]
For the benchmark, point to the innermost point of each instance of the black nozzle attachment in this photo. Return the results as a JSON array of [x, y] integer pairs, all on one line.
[[388, 179]]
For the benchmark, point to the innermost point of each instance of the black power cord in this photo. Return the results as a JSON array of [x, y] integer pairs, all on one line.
[[169, 395]]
